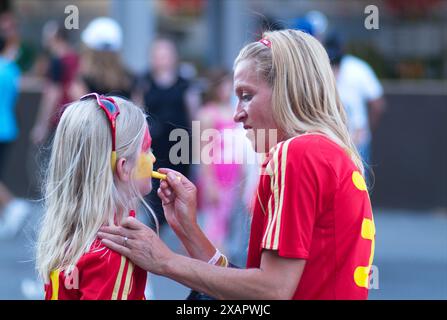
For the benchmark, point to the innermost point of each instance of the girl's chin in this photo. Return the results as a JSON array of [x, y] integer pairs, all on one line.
[[146, 189]]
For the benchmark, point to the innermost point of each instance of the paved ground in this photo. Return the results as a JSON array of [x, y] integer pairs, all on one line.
[[411, 257]]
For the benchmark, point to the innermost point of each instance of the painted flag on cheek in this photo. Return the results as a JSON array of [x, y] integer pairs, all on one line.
[[146, 159]]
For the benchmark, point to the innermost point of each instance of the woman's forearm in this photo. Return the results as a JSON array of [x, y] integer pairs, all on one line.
[[197, 244], [220, 282]]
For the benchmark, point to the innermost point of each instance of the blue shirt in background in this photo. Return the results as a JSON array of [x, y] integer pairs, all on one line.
[[9, 87]]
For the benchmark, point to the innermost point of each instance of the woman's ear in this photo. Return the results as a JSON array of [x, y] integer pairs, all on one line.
[[123, 170]]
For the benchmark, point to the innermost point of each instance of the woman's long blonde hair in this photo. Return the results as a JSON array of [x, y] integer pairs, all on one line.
[[304, 93], [81, 191]]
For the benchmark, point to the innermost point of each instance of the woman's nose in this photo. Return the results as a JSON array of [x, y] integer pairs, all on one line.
[[240, 115], [153, 159]]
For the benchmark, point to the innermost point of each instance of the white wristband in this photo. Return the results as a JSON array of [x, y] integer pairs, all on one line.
[[216, 257]]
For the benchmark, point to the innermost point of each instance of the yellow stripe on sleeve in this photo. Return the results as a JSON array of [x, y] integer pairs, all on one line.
[[276, 197], [54, 278], [117, 286], [278, 213], [127, 283], [273, 186]]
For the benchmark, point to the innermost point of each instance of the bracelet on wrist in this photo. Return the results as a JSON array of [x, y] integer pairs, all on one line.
[[214, 259]]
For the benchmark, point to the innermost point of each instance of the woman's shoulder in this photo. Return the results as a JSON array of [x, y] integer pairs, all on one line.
[[307, 145], [314, 144], [316, 150]]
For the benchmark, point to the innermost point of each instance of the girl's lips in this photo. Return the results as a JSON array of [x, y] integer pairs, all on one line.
[[247, 127]]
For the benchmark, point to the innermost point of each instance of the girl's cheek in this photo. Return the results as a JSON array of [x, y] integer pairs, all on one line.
[[144, 166]]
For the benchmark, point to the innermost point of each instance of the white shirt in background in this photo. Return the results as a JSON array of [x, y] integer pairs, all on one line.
[[357, 85]]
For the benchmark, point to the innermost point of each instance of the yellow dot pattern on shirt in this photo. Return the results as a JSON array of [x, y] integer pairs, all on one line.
[[358, 181], [361, 273]]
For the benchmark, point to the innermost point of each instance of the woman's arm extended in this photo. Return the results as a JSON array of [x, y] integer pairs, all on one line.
[[276, 278]]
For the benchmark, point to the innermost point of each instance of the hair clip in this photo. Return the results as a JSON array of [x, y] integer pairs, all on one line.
[[266, 42]]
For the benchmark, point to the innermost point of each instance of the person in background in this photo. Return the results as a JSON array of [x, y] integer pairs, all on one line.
[[168, 100], [360, 92], [101, 67], [13, 210], [18, 50], [219, 176], [62, 70]]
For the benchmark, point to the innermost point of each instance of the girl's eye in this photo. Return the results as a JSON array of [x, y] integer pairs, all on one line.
[[246, 97]]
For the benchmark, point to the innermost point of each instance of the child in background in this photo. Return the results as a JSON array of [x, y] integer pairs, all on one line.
[[219, 178], [100, 166]]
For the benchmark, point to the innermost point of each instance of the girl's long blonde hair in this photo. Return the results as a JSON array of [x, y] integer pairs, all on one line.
[[81, 191], [304, 93]]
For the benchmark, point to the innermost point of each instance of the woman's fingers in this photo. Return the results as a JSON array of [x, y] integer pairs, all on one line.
[[165, 188], [174, 177], [125, 251], [115, 230], [164, 185], [115, 233], [175, 183], [162, 196], [165, 198], [112, 237], [176, 173], [132, 223]]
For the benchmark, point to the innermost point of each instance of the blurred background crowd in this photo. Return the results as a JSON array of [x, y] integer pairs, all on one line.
[[174, 58]]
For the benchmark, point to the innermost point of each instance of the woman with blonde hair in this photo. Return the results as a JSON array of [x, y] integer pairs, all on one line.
[[312, 230], [99, 170]]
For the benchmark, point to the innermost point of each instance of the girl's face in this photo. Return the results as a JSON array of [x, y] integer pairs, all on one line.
[[144, 166]]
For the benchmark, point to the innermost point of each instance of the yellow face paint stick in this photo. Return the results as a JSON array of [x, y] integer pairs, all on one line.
[[161, 176], [158, 175]]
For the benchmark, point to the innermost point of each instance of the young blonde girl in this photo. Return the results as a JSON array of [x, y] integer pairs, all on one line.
[[100, 167]]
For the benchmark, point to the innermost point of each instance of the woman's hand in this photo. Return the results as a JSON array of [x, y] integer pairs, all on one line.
[[139, 243], [179, 200]]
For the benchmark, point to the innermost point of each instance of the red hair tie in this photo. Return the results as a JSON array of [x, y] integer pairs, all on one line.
[[266, 42]]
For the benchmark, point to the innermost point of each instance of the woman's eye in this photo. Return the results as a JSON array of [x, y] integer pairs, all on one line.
[[246, 97]]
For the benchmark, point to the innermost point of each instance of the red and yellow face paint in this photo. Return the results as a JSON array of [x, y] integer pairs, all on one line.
[[146, 159]]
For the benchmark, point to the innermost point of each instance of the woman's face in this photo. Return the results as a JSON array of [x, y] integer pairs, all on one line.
[[164, 56], [254, 107]]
